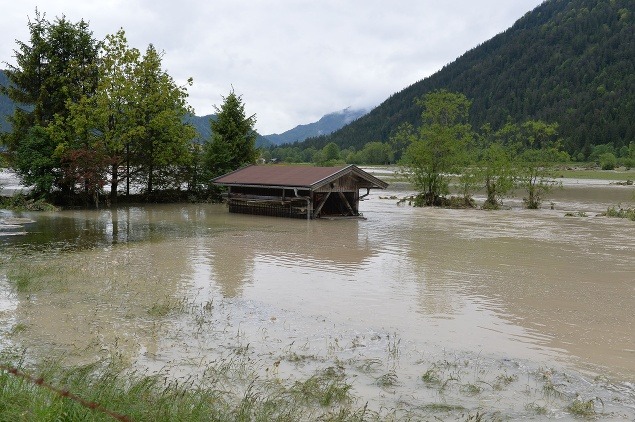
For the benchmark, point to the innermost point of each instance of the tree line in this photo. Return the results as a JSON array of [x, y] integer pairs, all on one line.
[[94, 113], [445, 150]]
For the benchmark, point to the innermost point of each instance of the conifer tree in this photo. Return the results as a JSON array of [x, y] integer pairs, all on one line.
[[233, 141], [56, 67]]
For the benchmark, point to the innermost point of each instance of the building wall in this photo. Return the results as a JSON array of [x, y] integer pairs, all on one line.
[[344, 184], [279, 202]]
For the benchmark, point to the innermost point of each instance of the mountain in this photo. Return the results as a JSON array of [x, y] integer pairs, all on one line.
[[567, 61], [326, 125], [6, 105], [202, 126]]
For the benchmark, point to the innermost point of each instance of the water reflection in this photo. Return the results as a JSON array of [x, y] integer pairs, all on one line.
[[232, 264]]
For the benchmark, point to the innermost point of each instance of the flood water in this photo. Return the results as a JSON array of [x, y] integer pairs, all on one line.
[[518, 292]]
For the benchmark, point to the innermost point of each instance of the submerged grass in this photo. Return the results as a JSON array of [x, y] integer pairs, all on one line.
[[31, 277], [21, 202], [586, 408], [619, 212]]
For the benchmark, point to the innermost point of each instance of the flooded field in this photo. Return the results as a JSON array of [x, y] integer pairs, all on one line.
[[427, 313]]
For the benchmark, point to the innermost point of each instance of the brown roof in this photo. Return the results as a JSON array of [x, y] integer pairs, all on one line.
[[292, 176]]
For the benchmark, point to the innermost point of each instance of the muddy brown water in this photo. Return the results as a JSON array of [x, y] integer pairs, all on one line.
[[512, 290]]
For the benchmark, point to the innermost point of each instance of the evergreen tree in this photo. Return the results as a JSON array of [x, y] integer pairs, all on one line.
[[233, 141], [57, 67]]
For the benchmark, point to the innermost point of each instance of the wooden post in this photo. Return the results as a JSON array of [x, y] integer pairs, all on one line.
[[346, 203], [321, 204]]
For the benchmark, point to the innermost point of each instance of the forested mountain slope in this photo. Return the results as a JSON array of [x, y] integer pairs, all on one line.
[[567, 61]]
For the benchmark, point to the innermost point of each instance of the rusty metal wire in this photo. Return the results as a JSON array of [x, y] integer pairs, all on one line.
[[64, 393]]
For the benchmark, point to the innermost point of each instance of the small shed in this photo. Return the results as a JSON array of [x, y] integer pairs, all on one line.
[[298, 191]]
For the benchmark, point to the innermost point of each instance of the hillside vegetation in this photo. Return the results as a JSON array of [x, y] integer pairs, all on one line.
[[571, 62]]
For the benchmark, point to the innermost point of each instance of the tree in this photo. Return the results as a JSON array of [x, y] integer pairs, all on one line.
[[233, 141], [132, 125], [57, 67], [494, 169], [33, 159], [437, 149], [400, 141], [107, 120], [535, 164], [608, 161], [377, 153], [162, 142], [328, 156]]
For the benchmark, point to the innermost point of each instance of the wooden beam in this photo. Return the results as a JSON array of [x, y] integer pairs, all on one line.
[[321, 204], [249, 197], [346, 203]]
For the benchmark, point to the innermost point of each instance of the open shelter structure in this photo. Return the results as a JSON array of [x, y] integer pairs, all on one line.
[[298, 191]]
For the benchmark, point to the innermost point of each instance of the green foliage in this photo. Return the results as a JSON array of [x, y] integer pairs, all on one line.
[[583, 408], [57, 67], [328, 156], [162, 143], [599, 150], [496, 171], [21, 202], [437, 149], [34, 161], [521, 156], [94, 113], [100, 392], [104, 122], [131, 129], [232, 144], [400, 141], [608, 161], [628, 213], [373, 153], [326, 389], [536, 173]]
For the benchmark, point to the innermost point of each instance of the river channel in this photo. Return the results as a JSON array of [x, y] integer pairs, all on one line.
[[504, 301]]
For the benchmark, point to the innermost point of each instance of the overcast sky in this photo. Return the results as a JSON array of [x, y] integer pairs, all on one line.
[[292, 61]]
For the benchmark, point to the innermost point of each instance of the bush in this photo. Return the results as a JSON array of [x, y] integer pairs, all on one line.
[[21, 202], [629, 163], [608, 161], [621, 213]]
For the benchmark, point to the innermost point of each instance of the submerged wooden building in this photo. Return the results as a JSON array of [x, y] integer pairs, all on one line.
[[298, 191]]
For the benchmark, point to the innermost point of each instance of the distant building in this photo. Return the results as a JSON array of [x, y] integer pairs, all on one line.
[[298, 191]]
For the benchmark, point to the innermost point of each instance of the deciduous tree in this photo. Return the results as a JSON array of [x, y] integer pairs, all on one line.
[[539, 152], [161, 146], [438, 148]]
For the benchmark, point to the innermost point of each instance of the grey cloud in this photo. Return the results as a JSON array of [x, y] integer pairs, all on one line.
[[291, 60]]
